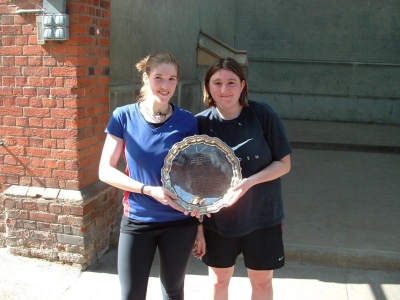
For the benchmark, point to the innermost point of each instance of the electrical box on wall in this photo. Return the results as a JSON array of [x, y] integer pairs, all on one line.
[[52, 27], [55, 27], [54, 6], [53, 24]]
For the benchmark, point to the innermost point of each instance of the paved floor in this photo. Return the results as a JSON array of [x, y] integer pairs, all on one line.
[[342, 205], [34, 279]]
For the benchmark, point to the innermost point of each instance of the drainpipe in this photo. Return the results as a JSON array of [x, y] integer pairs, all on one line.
[[29, 11]]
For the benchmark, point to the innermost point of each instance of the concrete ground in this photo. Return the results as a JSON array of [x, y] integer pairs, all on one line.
[[34, 279], [342, 196], [341, 230]]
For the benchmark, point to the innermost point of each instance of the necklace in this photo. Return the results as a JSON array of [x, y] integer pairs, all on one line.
[[158, 117]]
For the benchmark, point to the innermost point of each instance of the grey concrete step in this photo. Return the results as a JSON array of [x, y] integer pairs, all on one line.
[[359, 137]]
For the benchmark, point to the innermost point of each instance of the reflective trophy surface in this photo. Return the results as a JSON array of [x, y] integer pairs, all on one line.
[[200, 170]]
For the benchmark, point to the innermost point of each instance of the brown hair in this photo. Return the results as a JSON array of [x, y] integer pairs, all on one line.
[[227, 64], [147, 64]]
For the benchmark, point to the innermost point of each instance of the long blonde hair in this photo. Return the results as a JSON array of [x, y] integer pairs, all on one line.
[[149, 63]]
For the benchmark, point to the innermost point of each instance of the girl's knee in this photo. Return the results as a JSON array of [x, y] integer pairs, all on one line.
[[261, 280], [220, 276]]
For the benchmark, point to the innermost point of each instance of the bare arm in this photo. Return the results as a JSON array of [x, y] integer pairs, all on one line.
[[273, 171], [199, 247], [108, 173]]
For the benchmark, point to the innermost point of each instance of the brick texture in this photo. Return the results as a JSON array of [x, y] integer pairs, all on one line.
[[54, 106], [53, 98], [66, 228]]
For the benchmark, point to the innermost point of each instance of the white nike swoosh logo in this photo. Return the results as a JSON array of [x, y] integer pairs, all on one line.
[[240, 145]]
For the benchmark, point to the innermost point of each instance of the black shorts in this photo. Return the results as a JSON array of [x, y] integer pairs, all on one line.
[[262, 249]]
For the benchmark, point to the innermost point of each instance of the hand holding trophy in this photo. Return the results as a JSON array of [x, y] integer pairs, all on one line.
[[200, 170]]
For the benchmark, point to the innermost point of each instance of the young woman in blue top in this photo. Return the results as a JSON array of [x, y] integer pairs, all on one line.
[[144, 132], [252, 225]]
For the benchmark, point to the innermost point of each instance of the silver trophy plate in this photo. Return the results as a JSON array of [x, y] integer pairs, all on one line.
[[200, 170]]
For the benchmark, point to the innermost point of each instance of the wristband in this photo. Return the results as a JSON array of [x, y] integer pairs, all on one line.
[[141, 189]]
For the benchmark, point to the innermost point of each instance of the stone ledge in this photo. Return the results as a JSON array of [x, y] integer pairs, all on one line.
[[343, 258], [57, 194], [17, 190], [69, 226]]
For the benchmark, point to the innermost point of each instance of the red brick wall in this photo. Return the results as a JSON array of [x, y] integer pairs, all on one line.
[[3, 232], [54, 101], [74, 227]]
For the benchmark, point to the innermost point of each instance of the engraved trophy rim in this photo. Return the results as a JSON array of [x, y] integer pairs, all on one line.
[[231, 159]]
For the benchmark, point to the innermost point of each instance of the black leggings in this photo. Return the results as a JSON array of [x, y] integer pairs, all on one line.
[[135, 257]]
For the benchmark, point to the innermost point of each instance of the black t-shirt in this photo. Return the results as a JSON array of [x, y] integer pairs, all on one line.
[[258, 138]]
